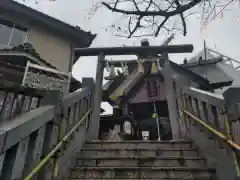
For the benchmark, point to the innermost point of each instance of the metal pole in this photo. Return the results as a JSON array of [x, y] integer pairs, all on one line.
[[157, 119], [169, 39], [205, 50]]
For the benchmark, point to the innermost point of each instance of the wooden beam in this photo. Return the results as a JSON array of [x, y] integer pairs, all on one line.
[[97, 99], [151, 50]]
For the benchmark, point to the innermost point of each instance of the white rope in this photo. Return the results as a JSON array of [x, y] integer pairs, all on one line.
[[157, 120]]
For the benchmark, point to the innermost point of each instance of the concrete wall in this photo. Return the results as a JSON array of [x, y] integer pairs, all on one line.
[[51, 48]]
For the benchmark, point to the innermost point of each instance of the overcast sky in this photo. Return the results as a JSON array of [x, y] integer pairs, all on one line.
[[222, 34]]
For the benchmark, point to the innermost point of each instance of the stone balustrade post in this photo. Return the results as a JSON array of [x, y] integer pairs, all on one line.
[[232, 101]]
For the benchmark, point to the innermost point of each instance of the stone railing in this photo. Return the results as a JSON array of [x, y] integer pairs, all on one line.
[[212, 121], [17, 100], [42, 143]]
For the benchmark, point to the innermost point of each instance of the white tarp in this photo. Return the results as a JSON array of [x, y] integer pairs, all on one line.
[[114, 134], [127, 127]]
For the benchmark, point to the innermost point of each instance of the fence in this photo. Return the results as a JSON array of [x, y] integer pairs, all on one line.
[[205, 119], [17, 100], [42, 143]]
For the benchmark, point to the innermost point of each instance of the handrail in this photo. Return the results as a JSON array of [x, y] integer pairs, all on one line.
[[219, 134], [58, 146], [222, 136], [75, 96], [33, 117], [23, 90]]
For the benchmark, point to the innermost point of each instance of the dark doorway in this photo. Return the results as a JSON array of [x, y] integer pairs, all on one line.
[[143, 113]]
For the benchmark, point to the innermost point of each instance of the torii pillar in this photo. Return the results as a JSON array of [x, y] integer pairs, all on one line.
[[97, 99], [171, 99]]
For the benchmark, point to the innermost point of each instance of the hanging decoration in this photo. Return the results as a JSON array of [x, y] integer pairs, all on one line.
[[158, 65], [155, 116], [107, 66], [122, 66], [140, 60], [125, 71], [140, 66], [154, 68], [112, 71]]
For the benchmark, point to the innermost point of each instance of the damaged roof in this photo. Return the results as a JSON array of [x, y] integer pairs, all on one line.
[[112, 85], [211, 70], [209, 55]]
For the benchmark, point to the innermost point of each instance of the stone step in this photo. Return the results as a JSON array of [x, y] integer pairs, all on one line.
[[141, 172], [206, 178], [146, 161], [186, 152], [147, 179], [138, 144]]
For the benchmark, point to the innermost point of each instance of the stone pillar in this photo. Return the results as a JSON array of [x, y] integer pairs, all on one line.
[[232, 101], [97, 99], [171, 100], [180, 101]]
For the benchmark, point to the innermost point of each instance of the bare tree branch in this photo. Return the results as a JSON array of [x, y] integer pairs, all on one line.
[[137, 25], [136, 6], [152, 16], [182, 18], [155, 13], [165, 13], [160, 26], [115, 5], [141, 15], [221, 11]]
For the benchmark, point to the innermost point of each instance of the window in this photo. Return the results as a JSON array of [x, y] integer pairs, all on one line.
[[18, 37], [5, 33], [11, 35]]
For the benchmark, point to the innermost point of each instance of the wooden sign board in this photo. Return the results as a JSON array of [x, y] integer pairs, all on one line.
[[152, 86]]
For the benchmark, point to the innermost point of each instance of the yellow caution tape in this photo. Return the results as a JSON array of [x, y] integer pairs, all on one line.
[[115, 97], [219, 134]]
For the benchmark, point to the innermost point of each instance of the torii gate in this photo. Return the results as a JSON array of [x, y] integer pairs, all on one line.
[[140, 50]]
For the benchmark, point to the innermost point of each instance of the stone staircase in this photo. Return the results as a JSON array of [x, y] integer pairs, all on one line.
[[170, 160]]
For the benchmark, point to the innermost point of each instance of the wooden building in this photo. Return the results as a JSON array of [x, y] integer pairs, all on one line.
[[27, 35]]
